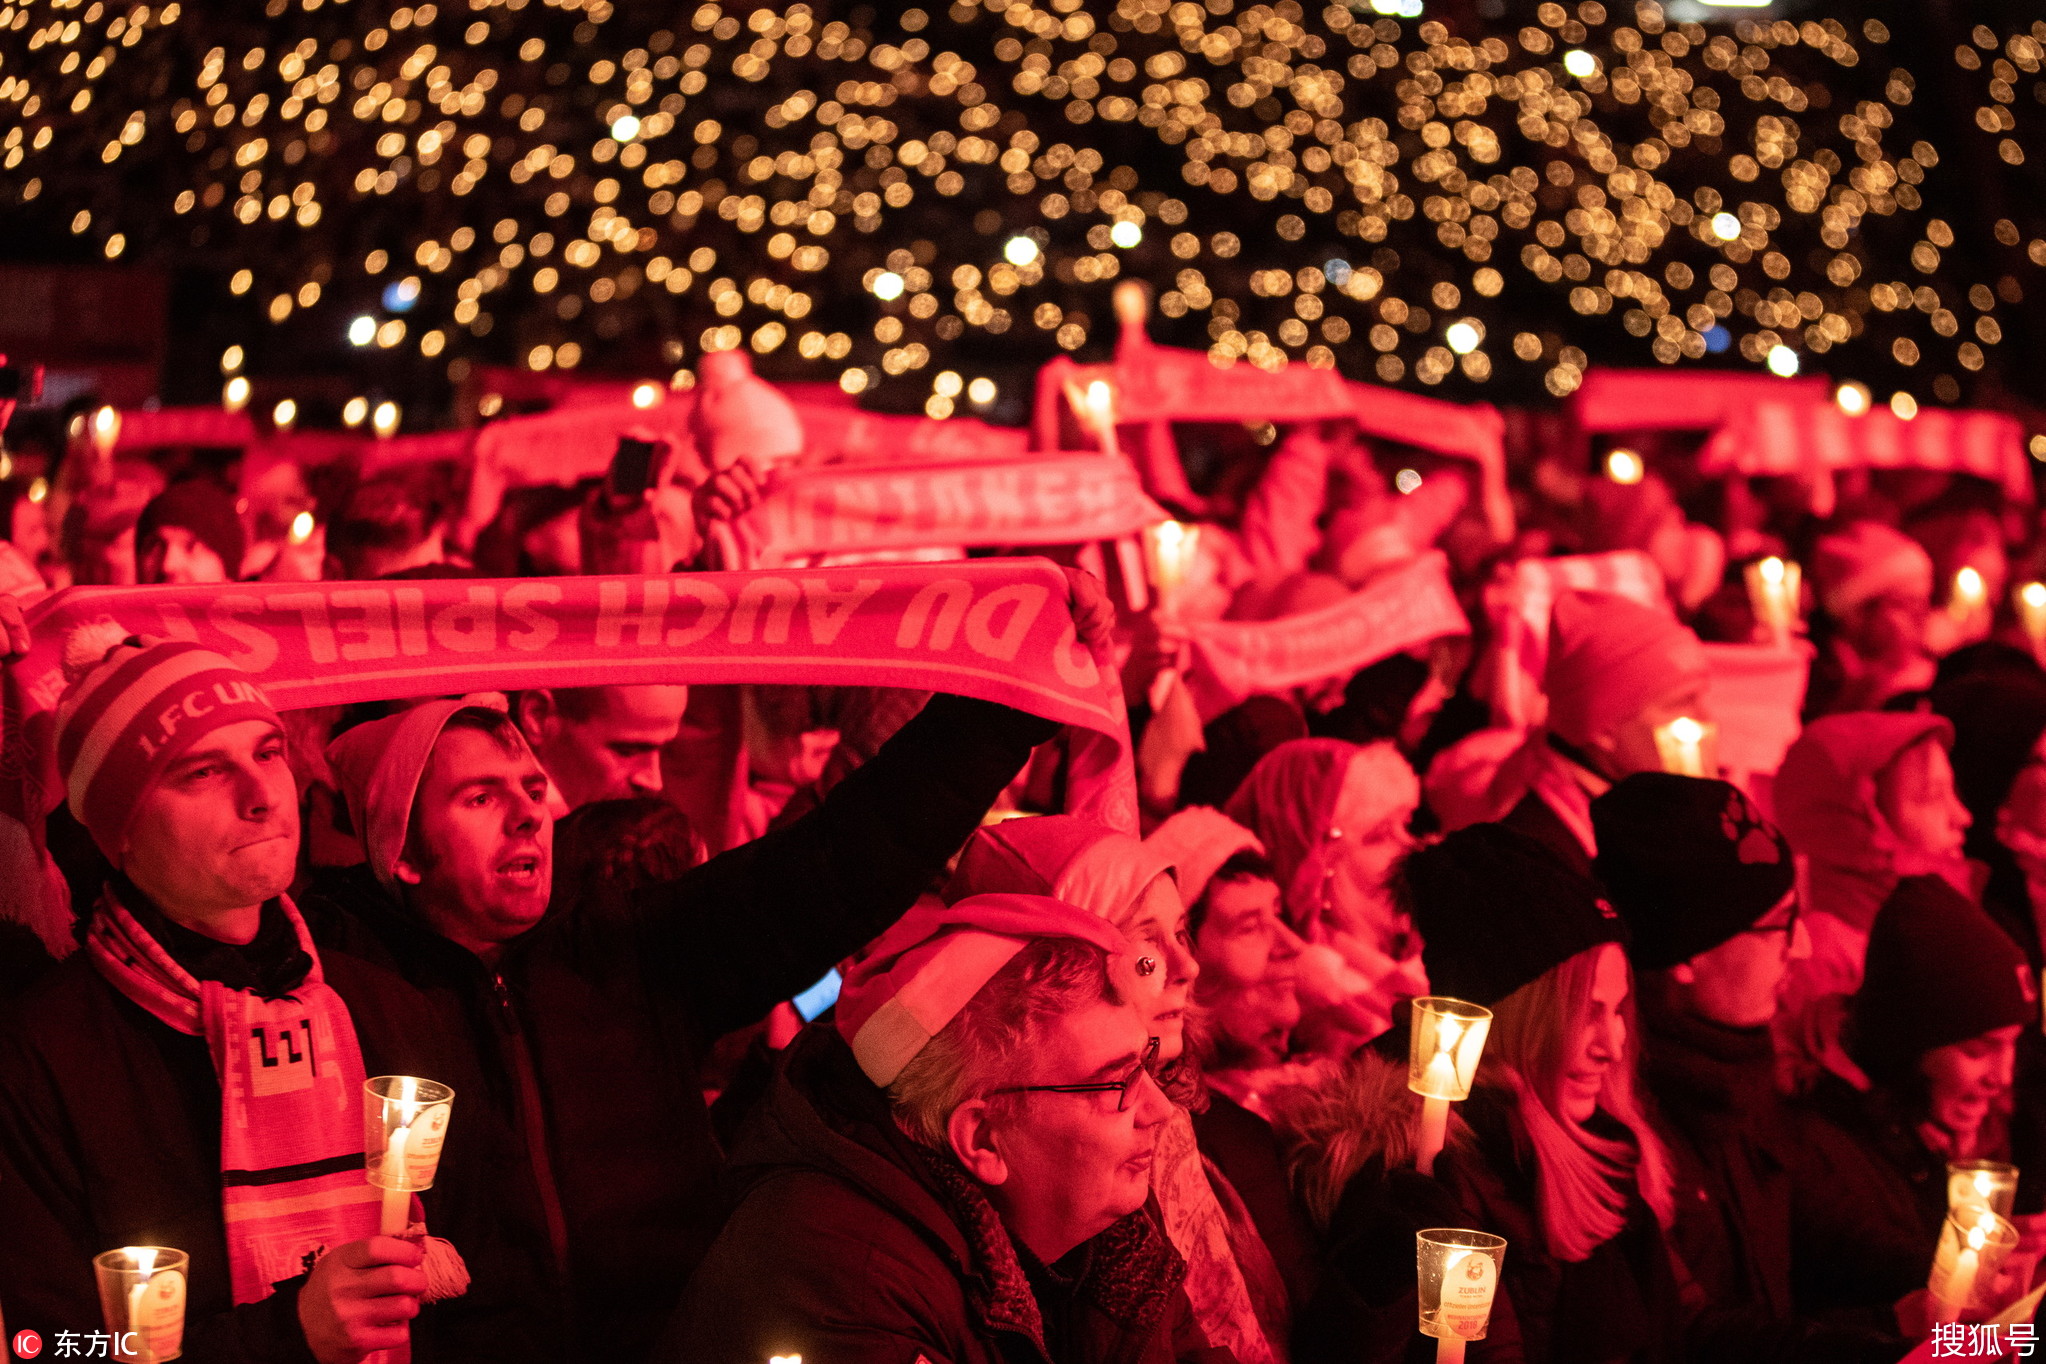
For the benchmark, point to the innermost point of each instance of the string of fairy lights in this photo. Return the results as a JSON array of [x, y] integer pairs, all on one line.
[[864, 196]]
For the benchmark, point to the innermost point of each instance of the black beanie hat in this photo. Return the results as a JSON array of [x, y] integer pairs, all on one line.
[[1939, 971], [1998, 717], [1688, 862], [1497, 909], [203, 508]]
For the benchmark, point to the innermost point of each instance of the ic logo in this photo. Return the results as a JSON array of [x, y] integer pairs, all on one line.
[[27, 1344]]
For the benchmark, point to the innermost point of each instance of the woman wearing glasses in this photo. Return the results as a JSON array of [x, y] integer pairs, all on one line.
[[1232, 1281], [957, 1167]]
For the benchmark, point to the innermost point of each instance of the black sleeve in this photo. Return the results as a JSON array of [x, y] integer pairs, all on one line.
[[761, 922], [46, 1275]]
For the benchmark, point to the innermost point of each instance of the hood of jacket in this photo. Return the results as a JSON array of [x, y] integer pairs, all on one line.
[[1825, 797]]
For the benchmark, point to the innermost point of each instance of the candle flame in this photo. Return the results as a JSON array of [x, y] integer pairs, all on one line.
[[144, 1258], [1098, 396], [301, 528], [1982, 1182], [106, 421], [1447, 1033], [2034, 595], [1977, 1236], [645, 395], [1968, 583], [1772, 570], [1685, 730]]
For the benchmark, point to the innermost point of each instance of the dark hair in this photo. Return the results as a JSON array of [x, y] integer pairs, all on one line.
[[617, 847], [385, 512], [1243, 866]]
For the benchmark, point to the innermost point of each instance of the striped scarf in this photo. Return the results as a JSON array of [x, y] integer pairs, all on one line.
[[292, 1175]]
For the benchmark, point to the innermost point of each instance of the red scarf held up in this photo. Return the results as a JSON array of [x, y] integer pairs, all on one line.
[[293, 1181]]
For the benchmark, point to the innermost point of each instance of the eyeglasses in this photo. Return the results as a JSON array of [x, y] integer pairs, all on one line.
[[1123, 1088]]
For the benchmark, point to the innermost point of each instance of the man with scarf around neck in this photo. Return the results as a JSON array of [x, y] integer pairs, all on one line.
[[193, 1077], [1708, 891], [1616, 671], [956, 1167], [588, 1022]]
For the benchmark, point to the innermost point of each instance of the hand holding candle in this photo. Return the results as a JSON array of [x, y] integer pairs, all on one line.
[[1448, 1037], [1458, 1273], [142, 1297]]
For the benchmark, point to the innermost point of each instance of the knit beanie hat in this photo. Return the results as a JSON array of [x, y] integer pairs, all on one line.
[[1688, 863], [920, 973], [378, 767], [740, 415], [1497, 909], [1610, 658], [1197, 842], [1938, 971], [203, 508], [1997, 718], [133, 707], [1866, 560]]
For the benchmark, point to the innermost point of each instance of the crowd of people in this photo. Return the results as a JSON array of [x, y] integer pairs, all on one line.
[[1081, 1094]]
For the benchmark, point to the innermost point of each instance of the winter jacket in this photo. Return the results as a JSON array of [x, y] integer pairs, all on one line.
[[1869, 1203], [1734, 1147], [589, 1030], [1243, 1147], [852, 1244], [110, 1136], [1347, 1136], [1620, 1303]]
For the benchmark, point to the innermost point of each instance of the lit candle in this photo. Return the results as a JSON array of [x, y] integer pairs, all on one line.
[[1458, 1273], [1681, 746], [405, 1122], [1959, 1289], [1970, 594], [106, 430], [1774, 587], [234, 394], [397, 1213], [2031, 604], [1978, 1186], [1447, 1039], [1172, 546], [142, 1300], [1095, 406], [1973, 1246], [138, 1298]]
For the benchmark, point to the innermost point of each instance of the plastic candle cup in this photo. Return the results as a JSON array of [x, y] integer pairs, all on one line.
[[1973, 1244], [405, 1120], [1447, 1038], [1977, 1186], [1458, 1272], [142, 1297], [1775, 588], [1688, 747]]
